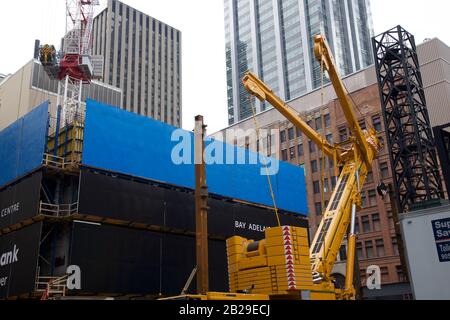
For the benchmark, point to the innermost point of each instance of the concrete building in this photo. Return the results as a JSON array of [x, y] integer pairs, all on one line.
[[377, 244], [30, 86], [2, 77], [274, 39], [142, 57]]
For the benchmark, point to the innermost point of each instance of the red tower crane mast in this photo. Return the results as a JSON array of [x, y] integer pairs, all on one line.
[[73, 67]]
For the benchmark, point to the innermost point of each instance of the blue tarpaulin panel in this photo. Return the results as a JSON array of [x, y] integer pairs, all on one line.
[[22, 144], [124, 142]]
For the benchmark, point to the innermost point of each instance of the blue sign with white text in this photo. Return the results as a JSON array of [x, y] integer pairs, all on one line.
[[441, 230]]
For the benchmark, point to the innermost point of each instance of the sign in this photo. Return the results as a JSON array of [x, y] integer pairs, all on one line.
[[20, 201], [441, 230], [19, 253]]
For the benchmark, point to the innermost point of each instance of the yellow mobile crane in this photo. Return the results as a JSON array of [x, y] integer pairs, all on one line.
[[356, 161], [283, 266]]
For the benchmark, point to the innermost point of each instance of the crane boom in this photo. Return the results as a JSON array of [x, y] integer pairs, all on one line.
[[324, 55], [259, 89]]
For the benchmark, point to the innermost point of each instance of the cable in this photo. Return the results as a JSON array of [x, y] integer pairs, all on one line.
[[322, 167], [265, 163], [353, 100]]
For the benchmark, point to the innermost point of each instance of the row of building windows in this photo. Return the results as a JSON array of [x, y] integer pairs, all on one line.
[[368, 198], [376, 124]]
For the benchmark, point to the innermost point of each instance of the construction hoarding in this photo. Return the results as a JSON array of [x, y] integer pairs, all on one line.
[[19, 252], [138, 261], [119, 141], [22, 145], [20, 201], [122, 199]]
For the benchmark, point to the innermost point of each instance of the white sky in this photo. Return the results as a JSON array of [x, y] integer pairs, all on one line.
[[201, 22]]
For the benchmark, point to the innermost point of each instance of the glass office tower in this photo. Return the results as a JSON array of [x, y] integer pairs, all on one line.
[[273, 38]]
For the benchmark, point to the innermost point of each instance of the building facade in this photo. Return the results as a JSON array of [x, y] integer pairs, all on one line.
[[30, 86], [142, 57], [377, 242], [274, 39]]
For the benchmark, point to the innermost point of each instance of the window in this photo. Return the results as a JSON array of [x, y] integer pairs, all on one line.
[[318, 123], [380, 248], [291, 133], [331, 163], [343, 253], [382, 143], [343, 134], [372, 198], [327, 121], [326, 185], [318, 207], [283, 136], [363, 200], [359, 252], [330, 138], [334, 182], [362, 273], [391, 220], [395, 246], [384, 274], [300, 150], [356, 226], [314, 167], [369, 249], [376, 222], [369, 178], [312, 147], [362, 124], [292, 153], [299, 133], [384, 170], [365, 224], [284, 155], [400, 275], [377, 123], [316, 186]]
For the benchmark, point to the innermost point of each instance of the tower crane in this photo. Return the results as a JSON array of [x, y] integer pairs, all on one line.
[[74, 66]]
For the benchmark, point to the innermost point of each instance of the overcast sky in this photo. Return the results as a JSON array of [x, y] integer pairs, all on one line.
[[201, 22]]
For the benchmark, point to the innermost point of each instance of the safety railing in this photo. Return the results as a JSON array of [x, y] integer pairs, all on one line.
[[56, 162], [58, 210], [53, 161], [51, 286]]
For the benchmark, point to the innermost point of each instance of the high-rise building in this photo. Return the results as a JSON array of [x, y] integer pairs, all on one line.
[[142, 57], [274, 39]]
